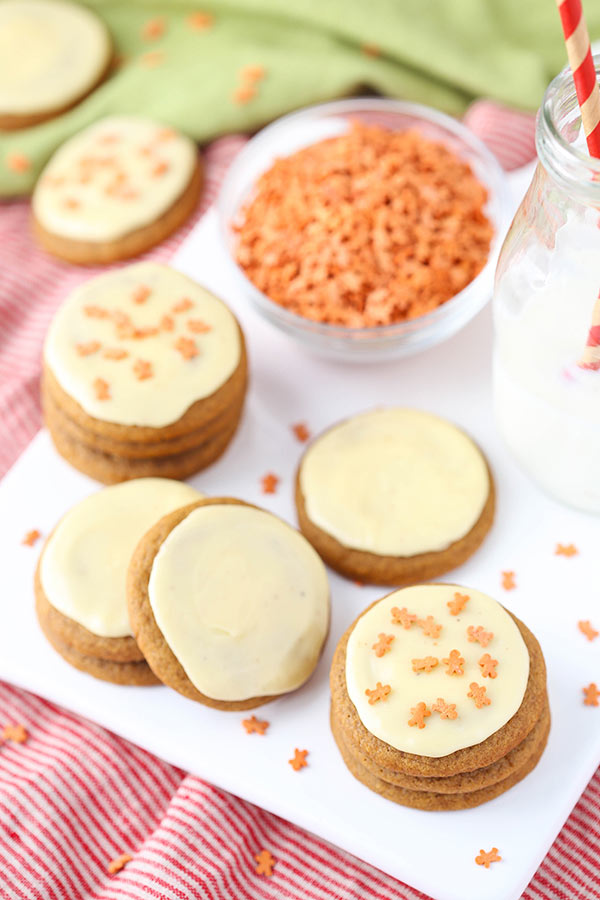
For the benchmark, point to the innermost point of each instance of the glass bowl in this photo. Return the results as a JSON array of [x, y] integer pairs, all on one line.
[[299, 129]]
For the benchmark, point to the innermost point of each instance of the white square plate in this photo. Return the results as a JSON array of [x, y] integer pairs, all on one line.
[[552, 593]]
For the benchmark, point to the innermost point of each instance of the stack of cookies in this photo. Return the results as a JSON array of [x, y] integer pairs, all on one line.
[[144, 375], [439, 698]]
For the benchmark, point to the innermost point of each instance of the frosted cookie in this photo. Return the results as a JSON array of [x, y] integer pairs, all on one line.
[[115, 189], [144, 373], [394, 496], [81, 576], [229, 605], [52, 54], [439, 697]]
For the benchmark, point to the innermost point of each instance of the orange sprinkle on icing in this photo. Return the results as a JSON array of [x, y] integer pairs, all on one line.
[[153, 28], [479, 635], [298, 761], [18, 162], [446, 710], [591, 695], [96, 312], [115, 353], [488, 666], [187, 347], [141, 294], [89, 348], [71, 203], [265, 862], [153, 59], [454, 663], [200, 21], [430, 627], [585, 627], [508, 581], [252, 73], [478, 694], [182, 306], [458, 603], [379, 692], [161, 168], [31, 537], [427, 664], [419, 713], [301, 432], [566, 550], [243, 94], [403, 617], [384, 644], [142, 369], [486, 857], [255, 726], [197, 326], [269, 483], [167, 323], [119, 863], [15, 733], [102, 389]]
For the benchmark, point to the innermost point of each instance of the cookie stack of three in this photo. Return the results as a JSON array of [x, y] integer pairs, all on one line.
[[439, 698], [144, 375]]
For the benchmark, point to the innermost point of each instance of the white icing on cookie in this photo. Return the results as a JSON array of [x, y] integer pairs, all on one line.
[[242, 600], [396, 482], [84, 565], [115, 177], [498, 646], [139, 345], [51, 53]]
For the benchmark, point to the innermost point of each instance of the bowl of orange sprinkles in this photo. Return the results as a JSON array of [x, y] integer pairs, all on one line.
[[365, 228]]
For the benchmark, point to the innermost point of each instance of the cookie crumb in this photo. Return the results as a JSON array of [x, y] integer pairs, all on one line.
[[16, 733], [119, 863], [566, 550], [419, 713], [18, 162], [379, 692], [269, 483], [265, 863], [255, 726], [486, 857], [301, 432], [31, 537], [298, 761], [585, 627], [508, 581], [591, 695]]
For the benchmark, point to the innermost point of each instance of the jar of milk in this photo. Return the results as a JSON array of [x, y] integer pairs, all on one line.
[[545, 301]]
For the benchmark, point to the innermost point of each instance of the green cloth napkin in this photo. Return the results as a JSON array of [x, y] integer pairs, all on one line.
[[440, 52]]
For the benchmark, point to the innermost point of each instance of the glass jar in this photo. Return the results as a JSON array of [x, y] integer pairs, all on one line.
[[547, 281]]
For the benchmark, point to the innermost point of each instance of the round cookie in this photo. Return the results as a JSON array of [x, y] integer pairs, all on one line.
[[114, 190], [229, 604], [52, 55], [492, 737], [81, 575], [420, 503]]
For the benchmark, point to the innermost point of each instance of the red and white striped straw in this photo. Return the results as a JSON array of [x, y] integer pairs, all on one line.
[[581, 61]]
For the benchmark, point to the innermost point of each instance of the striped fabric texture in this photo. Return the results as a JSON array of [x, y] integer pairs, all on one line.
[[74, 797]]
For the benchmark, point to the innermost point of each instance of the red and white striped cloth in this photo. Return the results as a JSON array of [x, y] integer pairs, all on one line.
[[74, 796]]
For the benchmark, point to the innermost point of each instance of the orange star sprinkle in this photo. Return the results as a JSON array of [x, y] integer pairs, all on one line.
[[479, 635], [16, 733], [478, 694], [430, 627], [585, 627], [31, 537], [141, 294], [418, 715], [427, 664], [187, 347], [197, 326], [508, 581], [298, 760], [251, 74], [403, 617], [243, 94], [301, 432], [486, 857], [591, 695], [265, 863], [254, 725], [89, 348], [566, 550], [446, 710], [119, 863], [455, 663], [384, 644], [115, 353], [488, 666], [200, 21], [142, 369], [18, 162], [102, 389], [153, 59], [379, 692], [167, 323], [458, 603], [153, 28], [183, 305]]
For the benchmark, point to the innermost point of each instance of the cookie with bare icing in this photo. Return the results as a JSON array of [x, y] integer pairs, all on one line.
[[228, 603], [438, 697], [81, 577], [116, 189], [394, 496], [144, 373], [52, 54]]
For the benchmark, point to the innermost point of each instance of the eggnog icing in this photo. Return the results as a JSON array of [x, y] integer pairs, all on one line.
[[51, 53], [115, 177], [84, 564], [388, 719], [142, 363], [242, 600], [396, 482]]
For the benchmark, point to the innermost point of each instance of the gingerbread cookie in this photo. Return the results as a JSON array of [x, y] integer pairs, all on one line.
[[394, 496], [52, 54], [115, 189], [80, 578], [439, 697], [229, 605]]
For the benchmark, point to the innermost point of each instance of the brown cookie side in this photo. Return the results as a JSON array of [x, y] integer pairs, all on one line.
[[148, 635], [465, 760], [91, 253]]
